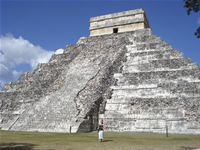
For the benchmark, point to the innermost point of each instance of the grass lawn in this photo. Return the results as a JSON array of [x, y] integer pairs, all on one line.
[[12, 140]]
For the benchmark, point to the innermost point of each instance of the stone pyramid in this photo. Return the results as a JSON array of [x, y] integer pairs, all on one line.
[[121, 73]]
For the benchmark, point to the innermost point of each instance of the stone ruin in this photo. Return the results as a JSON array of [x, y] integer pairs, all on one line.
[[122, 73]]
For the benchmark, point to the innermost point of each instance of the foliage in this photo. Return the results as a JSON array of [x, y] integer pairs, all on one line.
[[197, 33], [193, 5]]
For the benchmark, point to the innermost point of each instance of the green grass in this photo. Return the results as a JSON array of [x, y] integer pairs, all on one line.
[[12, 140]]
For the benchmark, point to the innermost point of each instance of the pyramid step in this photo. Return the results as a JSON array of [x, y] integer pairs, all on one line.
[[151, 45], [52, 74], [139, 92], [169, 112], [181, 87], [156, 54], [74, 49], [148, 38], [131, 115], [190, 89], [51, 65], [41, 75], [9, 124], [59, 57], [25, 76], [160, 62], [135, 70], [168, 74], [164, 64], [157, 76], [24, 95], [8, 96], [177, 86], [69, 48], [194, 72], [69, 53], [135, 82], [26, 85], [152, 99], [143, 32], [134, 87], [60, 60], [134, 49]]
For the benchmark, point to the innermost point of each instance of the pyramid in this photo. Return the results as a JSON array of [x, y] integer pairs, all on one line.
[[122, 73]]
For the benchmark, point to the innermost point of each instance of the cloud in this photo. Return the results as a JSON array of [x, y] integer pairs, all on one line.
[[198, 22], [2, 83], [14, 52], [59, 51]]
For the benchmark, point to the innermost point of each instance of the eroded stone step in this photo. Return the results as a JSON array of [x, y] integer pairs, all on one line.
[[139, 92], [154, 55], [42, 75], [9, 124], [167, 74], [27, 85], [25, 96], [74, 50], [133, 49], [157, 77], [70, 48], [52, 65], [184, 87], [157, 65], [47, 75], [146, 46], [25, 76], [145, 103], [170, 115], [69, 53], [151, 45], [134, 87], [160, 62], [154, 92], [148, 38], [59, 57]]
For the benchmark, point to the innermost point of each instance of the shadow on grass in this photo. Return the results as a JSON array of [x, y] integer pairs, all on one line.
[[107, 140], [187, 148], [16, 146]]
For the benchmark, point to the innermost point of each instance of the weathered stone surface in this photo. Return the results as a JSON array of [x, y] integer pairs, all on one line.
[[134, 81], [158, 86], [9, 124], [120, 22], [86, 81]]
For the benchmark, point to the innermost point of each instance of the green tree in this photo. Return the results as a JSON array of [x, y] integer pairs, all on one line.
[[193, 5]]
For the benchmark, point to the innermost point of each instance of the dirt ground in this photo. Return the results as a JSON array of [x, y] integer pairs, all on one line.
[[12, 140]]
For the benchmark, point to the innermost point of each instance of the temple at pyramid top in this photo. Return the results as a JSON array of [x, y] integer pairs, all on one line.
[[119, 22]]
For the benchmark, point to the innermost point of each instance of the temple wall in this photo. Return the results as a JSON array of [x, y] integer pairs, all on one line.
[[123, 22], [121, 28]]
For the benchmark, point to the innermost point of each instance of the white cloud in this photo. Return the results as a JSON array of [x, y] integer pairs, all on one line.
[[17, 51], [198, 22], [59, 51], [2, 83], [22, 51]]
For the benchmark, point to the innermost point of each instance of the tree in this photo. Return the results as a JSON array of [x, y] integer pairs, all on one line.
[[193, 5]]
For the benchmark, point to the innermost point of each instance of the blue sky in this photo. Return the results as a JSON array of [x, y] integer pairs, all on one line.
[[31, 31]]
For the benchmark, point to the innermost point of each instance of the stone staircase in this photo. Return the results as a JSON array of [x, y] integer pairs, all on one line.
[[67, 90], [16, 97]]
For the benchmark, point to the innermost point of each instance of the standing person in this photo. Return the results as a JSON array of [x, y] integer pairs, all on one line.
[[101, 126]]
